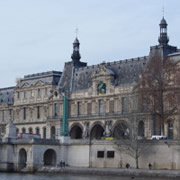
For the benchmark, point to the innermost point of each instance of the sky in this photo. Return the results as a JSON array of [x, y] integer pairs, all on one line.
[[37, 35]]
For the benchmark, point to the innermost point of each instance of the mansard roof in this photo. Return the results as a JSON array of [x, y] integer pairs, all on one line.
[[50, 77], [124, 72], [7, 95]]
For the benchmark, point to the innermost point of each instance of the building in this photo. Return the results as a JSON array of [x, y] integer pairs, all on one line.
[[99, 98]]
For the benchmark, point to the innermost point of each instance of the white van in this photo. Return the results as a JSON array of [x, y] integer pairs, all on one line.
[[158, 137]]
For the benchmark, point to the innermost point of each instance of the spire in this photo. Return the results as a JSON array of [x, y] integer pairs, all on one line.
[[76, 55], [163, 38]]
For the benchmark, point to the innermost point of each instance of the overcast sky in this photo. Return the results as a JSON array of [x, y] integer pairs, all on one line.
[[37, 35]]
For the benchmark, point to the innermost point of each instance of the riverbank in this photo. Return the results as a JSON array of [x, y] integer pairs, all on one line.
[[113, 172]]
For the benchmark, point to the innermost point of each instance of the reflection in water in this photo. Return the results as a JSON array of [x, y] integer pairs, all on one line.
[[17, 176]]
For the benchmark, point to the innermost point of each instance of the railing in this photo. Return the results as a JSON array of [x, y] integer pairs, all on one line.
[[54, 118]]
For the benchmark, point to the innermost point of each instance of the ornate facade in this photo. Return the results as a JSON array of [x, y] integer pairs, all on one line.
[[99, 98]]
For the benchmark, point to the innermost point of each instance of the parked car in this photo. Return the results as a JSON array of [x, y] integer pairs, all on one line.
[[158, 137]]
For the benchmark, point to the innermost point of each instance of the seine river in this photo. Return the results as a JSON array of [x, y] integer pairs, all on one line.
[[16, 176]]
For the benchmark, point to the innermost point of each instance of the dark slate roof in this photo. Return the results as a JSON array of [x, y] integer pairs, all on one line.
[[163, 21], [7, 95], [50, 77], [124, 71]]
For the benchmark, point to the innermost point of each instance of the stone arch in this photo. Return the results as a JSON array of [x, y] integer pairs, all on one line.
[[22, 158], [121, 130], [97, 130], [141, 129], [53, 132], [76, 131], [50, 157]]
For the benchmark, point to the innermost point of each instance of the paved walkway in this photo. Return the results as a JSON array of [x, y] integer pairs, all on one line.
[[114, 172]]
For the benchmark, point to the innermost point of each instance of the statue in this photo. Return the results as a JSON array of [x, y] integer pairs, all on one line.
[[107, 131], [86, 130]]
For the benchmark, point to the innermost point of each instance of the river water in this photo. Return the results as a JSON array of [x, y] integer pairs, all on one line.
[[18, 176]]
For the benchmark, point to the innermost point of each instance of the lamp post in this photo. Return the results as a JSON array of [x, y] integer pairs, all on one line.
[[64, 130], [64, 126]]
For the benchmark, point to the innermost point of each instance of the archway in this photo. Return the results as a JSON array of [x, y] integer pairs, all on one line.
[[121, 131], [50, 157], [53, 132], [22, 158], [97, 132], [141, 129], [76, 132]]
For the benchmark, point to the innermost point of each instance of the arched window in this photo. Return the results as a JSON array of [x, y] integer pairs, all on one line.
[[23, 130], [30, 130], [37, 130]]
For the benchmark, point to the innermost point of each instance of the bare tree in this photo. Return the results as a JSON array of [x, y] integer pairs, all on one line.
[[130, 135], [157, 90]]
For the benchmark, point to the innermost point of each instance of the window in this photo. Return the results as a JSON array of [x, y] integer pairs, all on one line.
[[39, 92], [37, 130], [55, 110], [46, 92], [44, 132], [79, 106], [23, 130], [100, 107], [3, 116], [170, 130], [124, 104], [89, 108], [38, 112], [18, 95], [25, 94], [30, 130], [110, 154], [24, 113], [100, 154], [111, 106], [32, 94]]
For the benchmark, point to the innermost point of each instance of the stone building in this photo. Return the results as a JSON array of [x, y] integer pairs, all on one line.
[[99, 100]]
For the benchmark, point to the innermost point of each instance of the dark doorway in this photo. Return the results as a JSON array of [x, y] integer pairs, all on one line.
[[97, 132], [121, 131], [50, 157], [76, 132], [22, 158]]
